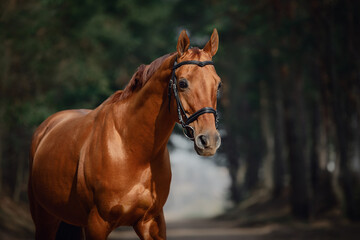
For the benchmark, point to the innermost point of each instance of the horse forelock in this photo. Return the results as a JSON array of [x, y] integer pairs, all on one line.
[[195, 52]]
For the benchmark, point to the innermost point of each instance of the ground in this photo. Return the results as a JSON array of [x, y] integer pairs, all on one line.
[[15, 220], [228, 230], [15, 224]]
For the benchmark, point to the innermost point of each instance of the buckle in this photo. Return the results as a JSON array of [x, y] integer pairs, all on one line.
[[189, 132]]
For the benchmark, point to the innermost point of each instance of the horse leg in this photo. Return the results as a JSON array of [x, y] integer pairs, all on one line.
[[97, 228], [46, 224], [152, 229]]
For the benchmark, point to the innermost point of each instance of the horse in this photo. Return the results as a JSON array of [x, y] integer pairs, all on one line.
[[92, 171]]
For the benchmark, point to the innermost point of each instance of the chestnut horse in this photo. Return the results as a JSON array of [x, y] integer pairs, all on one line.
[[94, 170]]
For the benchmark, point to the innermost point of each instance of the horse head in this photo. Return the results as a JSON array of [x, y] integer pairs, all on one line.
[[195, 84]]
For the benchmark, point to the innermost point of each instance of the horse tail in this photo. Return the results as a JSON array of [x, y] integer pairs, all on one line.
[[69, 232]]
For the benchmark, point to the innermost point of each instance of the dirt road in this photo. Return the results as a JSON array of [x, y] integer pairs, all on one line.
[[214, 230], [198, 230]]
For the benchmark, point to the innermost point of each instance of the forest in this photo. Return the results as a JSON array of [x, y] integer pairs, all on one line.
[[290, 103]]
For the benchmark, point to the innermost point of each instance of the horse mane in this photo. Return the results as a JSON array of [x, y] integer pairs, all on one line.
[[140, 78]]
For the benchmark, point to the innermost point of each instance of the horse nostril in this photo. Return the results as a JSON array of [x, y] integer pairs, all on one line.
[[202, 141]]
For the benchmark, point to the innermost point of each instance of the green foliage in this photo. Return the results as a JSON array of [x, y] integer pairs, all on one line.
[[61, 54]]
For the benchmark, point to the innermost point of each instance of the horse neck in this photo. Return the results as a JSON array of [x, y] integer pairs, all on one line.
[[143, 120]]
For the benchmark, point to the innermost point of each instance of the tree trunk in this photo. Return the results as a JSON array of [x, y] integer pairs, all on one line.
[[324, 198], [279, 143], [296, 139], [232, 157], [253, 161], [342, 110], [19, 180], [268, 165], [1, 152]]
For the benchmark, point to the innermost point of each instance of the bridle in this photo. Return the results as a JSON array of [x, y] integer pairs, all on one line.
[[183, 118]]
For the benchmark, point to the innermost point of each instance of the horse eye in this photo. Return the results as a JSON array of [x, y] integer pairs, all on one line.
[[219, 86], [183, 83]]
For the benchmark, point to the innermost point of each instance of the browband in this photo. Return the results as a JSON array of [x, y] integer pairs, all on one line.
[[199, 63]]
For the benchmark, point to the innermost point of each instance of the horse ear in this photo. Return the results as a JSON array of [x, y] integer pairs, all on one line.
[[213, 44], [183, 43]]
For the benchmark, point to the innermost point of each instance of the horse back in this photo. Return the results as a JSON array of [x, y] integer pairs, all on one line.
[[51, 122]]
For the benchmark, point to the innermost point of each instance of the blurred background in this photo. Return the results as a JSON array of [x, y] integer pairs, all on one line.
[[289, 164]]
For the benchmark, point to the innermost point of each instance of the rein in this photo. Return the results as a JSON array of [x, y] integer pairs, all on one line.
[[183, 118]]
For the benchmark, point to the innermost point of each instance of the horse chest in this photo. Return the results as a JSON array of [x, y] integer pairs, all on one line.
[[139, 197], [139, 200]]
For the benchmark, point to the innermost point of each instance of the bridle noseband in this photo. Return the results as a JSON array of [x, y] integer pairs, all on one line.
[[183, 118]]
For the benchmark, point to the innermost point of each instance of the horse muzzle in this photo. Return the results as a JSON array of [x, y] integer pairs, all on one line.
[[207, 143]]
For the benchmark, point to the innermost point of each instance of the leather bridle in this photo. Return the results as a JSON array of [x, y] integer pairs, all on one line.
[[183, 118]]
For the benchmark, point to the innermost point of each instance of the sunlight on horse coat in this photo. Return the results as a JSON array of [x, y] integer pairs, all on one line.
[[94, 170]]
